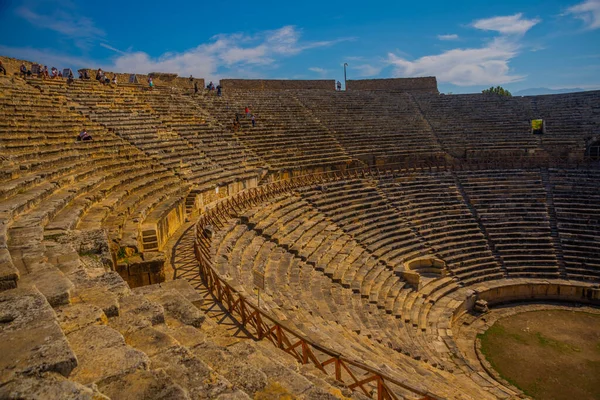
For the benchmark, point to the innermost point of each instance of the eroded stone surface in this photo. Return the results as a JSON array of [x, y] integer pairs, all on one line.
[[31, 340], [137, 312], [53, 284], [175, 304], [79, 316], [102, 298], [141, 384], [103, 354], [48, 386], [151, 341], [193, 374]]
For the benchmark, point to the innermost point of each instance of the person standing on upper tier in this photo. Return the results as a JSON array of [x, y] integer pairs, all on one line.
[[150, 83], [339, 86], [247, 111], [253, 121]]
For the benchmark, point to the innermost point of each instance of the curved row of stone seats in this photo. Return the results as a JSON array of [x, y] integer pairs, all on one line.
[[286, 135], [569, 118], [477, 125], [385, 297], [328, 248], [576, 196], [513, 210], [250, 251], [105, 183], [38, 134], [369, 124], [300, 229], [269, 239], [46, 176], [184, 116], [122, 110], [434, 207], [152, 342], [307, 300], [364, 213]]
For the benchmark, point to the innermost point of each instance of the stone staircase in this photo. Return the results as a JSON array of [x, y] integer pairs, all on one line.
[[108, 341]]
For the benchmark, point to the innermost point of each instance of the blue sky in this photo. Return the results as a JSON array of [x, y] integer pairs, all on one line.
[[467, 45]]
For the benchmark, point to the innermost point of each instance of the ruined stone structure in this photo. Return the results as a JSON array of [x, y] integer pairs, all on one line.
[[277, 84], [413, 85], [379, 217]]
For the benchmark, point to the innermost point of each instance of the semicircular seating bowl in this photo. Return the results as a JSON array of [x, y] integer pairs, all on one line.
[[335, 256]]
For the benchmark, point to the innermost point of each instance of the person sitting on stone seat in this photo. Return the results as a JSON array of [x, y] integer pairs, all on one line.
[[2, 69], [84, 136], [100, 75], [247, 111], [54, 72], [23, 70]]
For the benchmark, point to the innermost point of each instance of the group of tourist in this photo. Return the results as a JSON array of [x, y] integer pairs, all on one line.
[[102, 78], [236, 122], [210, 87]]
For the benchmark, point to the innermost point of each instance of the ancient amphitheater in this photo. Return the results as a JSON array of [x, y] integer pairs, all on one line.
[[381, 223]]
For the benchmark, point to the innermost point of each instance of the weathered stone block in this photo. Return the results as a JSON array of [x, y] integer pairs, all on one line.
[[31, 340]]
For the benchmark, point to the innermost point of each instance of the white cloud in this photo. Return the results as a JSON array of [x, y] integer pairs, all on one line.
[[233, 52], [588, 12], [67, 22], [487, 65], [365, 70], [231, 55], [453, 36], [320, 71], [507, 25]]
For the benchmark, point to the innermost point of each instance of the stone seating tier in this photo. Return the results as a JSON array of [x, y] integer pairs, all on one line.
[[150, 342]]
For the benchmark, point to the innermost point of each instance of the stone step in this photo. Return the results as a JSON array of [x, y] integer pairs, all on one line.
[[31, 339]]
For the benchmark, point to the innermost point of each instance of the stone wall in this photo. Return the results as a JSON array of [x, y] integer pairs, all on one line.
[[423, 85], [277, 84]]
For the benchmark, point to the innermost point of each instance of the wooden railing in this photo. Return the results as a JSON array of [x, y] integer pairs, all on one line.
[[354, 374]]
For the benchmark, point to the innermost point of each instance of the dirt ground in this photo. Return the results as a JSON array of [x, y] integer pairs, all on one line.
[[547, 354]]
